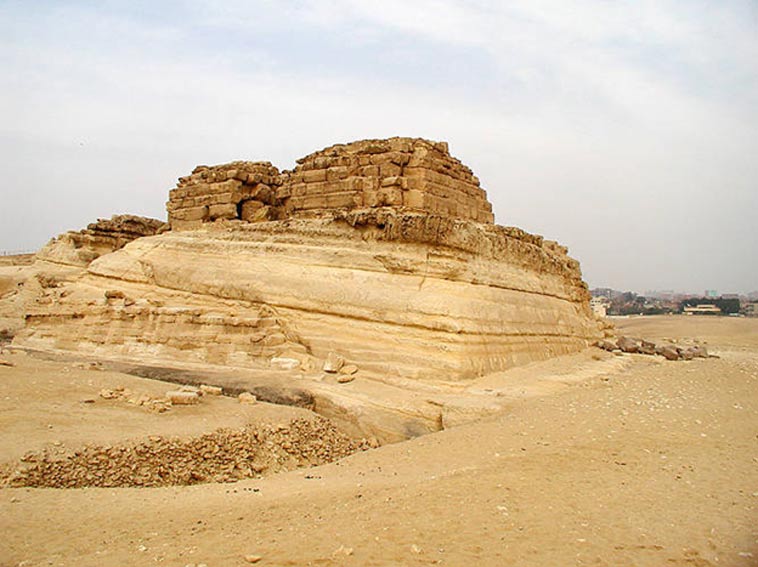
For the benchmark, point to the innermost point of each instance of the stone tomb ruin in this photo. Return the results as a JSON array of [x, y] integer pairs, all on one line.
[[382, 254], [403, 173]]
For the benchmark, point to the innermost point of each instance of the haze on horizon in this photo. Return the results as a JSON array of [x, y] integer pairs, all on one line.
[[628, 132]]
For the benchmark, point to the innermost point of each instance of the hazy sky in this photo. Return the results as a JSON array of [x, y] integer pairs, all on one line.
[[625, 130]]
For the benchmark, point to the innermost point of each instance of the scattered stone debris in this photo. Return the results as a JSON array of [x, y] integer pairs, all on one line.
[[4, 362], [150, 403], [114, 294], [225, 455], [211, 390], [333, 363], [666, 349], [349, 369], [247, 398], [253, 558], [342, 550], [345, 378], [284, 363], [626, 344]]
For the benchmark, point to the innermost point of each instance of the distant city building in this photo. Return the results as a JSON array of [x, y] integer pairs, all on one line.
[[666, 294], [711, 293], [751, 309], [600, 305], [702, 310]]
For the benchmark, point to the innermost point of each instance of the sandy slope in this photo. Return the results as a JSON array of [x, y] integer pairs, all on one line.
[[652, 464]]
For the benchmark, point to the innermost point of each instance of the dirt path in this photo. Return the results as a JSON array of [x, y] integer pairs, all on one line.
[[654, 465]]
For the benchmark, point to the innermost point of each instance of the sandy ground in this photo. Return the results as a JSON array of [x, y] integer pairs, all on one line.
[[653, 463]]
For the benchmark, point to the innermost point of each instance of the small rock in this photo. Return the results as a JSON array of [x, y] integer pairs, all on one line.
[[669, 352], [699, 351], [247, 398], [193, 389], [606, 345], [285, 363], [345, 378], [349, 369], [333, 363], [114, 294], [109, 394], [647, 347], [211, 390], [342, 550], [88, 401], [181, 398], [4, 362], [627, 344], [253, 558]]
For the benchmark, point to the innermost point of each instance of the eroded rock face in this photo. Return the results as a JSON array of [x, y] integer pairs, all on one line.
[[401, 294], [79, 248]]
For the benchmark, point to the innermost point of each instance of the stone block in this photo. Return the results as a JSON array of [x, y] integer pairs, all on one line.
[[222, 211], [181, 398], [333, 363], [249, 208], [335, 174], [315, 176], [389, 170], [191, 214], [414, 199], [347, 200], [390, 196]]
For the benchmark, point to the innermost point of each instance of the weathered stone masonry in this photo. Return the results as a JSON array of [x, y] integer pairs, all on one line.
[[402, 173]]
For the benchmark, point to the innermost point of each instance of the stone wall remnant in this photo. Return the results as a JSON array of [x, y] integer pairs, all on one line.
[[412, 174]]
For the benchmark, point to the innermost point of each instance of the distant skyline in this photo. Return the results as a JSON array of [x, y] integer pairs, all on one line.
[[628, 132]]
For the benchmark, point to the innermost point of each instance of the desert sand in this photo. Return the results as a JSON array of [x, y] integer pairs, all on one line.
[[641, 461]]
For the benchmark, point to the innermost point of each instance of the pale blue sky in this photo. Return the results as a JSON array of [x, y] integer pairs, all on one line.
[[627, 131]]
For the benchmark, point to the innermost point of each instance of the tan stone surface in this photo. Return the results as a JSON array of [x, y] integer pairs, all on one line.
[[235, 190], [400, 295], [399, 173], [649, 464], [79, 248], [411, 173]]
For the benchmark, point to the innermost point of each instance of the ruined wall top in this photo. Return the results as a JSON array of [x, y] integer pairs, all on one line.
[[403, 173]]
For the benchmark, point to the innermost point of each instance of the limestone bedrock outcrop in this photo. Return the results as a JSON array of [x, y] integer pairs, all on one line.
[[420, 287]]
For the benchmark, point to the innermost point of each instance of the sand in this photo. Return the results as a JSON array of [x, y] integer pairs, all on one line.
[[651, 463]]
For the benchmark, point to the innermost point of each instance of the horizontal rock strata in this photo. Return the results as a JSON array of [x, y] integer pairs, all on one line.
[[79, 248], [410, 295]]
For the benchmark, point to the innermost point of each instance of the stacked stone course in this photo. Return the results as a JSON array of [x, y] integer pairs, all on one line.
[[401, 173], [237, 190], [410, 173]]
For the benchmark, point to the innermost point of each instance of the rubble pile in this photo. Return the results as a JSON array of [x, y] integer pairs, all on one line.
[[668, 350], [146, 401], [225, 455]]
